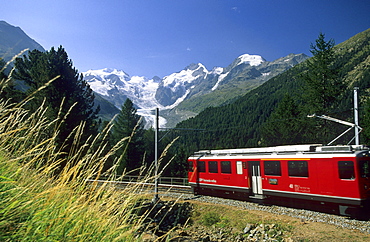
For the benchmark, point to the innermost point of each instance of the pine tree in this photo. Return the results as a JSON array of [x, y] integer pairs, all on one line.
[[285, 125], [69, 90], [3, 78], [323, 85], [365, 122], [129, 124], [7, 86]]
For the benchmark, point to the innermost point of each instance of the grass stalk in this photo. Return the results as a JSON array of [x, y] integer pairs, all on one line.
[[37, 205]]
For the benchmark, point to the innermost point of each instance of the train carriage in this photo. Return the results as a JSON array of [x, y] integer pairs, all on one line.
[[333, 179]]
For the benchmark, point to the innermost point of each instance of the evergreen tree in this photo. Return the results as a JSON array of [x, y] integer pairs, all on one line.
[[285, 125], [365, 122], [129, 124], [149, 139], [3, 78], [2, 66], [323, 85], [69, 90], [7, 86], [179, 165]]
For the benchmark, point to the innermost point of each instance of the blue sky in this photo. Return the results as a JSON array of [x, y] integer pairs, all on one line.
[[159, 37]]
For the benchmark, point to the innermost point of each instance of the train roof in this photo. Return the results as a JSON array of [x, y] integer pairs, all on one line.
[[285, 149]]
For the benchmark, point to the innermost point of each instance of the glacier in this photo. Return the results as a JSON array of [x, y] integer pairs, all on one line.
[[168, 92], [116, 85]]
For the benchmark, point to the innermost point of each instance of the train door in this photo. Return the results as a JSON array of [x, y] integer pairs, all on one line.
[[242, 177], [256, 179]]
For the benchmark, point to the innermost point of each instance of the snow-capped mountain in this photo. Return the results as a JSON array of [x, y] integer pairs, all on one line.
[[253, 60], [179, 86], [192, 83], [174, 88], [116, 86]]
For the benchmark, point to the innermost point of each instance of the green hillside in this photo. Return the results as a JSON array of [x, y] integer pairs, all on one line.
[[238, 124]]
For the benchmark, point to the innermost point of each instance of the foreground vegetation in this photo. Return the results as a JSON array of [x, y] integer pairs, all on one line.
[[44, 192], [38, 202]]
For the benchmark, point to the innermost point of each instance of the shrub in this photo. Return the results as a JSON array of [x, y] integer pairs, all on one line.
[[210, 218]]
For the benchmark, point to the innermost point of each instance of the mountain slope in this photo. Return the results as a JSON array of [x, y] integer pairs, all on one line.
[[13, 40], [237, 124], [236, 80]]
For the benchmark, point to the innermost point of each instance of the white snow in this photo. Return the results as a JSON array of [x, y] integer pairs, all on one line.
[[178, 101], [105, 71], [99, 87], [138, 88], [178, 79], [253, 60], [220, 79], [217, 71]]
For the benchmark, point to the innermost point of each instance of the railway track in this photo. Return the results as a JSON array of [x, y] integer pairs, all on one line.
[[184, 192], [147, 186], [302, 214]]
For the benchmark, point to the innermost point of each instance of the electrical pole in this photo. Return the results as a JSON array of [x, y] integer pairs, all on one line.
[[356, 127], [156, 198], [357, 136]]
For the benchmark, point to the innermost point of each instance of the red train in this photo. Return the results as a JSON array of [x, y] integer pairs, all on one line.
[[334, 179]]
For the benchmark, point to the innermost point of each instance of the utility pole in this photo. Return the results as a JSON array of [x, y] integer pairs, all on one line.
[[356, 127], [156, 198], [156, 165], [355, 103]]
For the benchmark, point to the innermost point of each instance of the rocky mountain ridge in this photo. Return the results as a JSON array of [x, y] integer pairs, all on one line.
[[13, 40], [183, 94]]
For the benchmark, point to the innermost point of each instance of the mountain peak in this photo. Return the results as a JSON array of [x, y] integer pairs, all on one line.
[[106, 71], [253, 60], [194, 66]]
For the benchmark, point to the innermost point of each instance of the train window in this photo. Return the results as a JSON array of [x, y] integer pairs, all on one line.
[[201, 166], [346, 170], [272, 167], [298, 168], [365, 168], [226, 167], [191, 167], [239, 168], [213, 166]]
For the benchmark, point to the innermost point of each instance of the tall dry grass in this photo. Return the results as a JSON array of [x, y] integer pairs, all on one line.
[[38, 204]]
